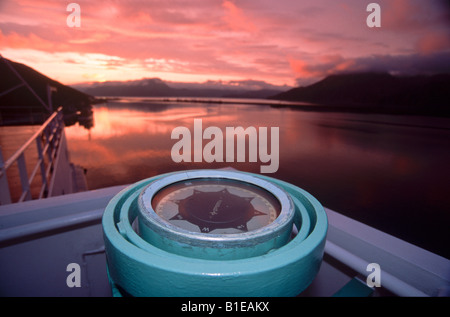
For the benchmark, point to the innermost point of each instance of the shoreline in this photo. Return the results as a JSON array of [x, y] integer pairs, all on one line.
[[339, 107], [347, 108]]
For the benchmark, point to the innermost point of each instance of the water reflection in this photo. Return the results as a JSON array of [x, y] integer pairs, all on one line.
[[390, 172]]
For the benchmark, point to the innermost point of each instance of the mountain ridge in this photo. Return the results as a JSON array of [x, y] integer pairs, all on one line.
[[156, 87], [420, 94], [18, 105]]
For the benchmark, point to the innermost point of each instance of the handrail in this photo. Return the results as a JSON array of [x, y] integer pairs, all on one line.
[[50, 131], [14, 157]]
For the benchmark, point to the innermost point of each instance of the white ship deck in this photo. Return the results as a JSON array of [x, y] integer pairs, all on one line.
[[39, 238]]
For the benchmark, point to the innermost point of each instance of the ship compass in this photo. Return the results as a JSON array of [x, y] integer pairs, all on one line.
[[213, 233], [215, 209]]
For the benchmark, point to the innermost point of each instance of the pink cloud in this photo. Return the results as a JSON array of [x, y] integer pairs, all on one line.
[[433, 42], [18, 41], [302, 68], [236, 18], [322, 66], [277, 41]]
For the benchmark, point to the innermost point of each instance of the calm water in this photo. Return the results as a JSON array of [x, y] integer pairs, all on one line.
[[390, 172]]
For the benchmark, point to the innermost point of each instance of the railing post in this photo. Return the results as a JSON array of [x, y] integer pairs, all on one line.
[[5, 195], [44, 188], [47, 142], [26, 193]]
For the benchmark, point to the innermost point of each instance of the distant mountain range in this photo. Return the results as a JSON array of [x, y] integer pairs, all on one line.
[[363, 92], [377, 92], [155, 87], [18, 104]]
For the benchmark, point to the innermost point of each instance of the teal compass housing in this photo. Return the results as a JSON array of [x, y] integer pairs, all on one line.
[[213, 233]]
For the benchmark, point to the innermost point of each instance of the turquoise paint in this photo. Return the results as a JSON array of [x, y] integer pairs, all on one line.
[[141, 269], [354, 288], [215, 252]]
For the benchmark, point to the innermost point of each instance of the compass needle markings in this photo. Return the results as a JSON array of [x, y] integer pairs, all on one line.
[[213, 207]]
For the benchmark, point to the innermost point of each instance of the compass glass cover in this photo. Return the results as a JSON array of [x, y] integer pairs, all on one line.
[[216, 205]]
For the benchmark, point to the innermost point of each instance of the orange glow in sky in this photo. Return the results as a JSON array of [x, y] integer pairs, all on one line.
[[283, 42]]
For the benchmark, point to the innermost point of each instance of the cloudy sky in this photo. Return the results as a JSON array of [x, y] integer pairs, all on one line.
[[282, 42]]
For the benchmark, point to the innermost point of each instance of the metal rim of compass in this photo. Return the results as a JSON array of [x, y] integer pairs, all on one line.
[[162, 228]]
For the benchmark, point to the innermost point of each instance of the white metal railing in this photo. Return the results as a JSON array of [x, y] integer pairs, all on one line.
[[47, 139]]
